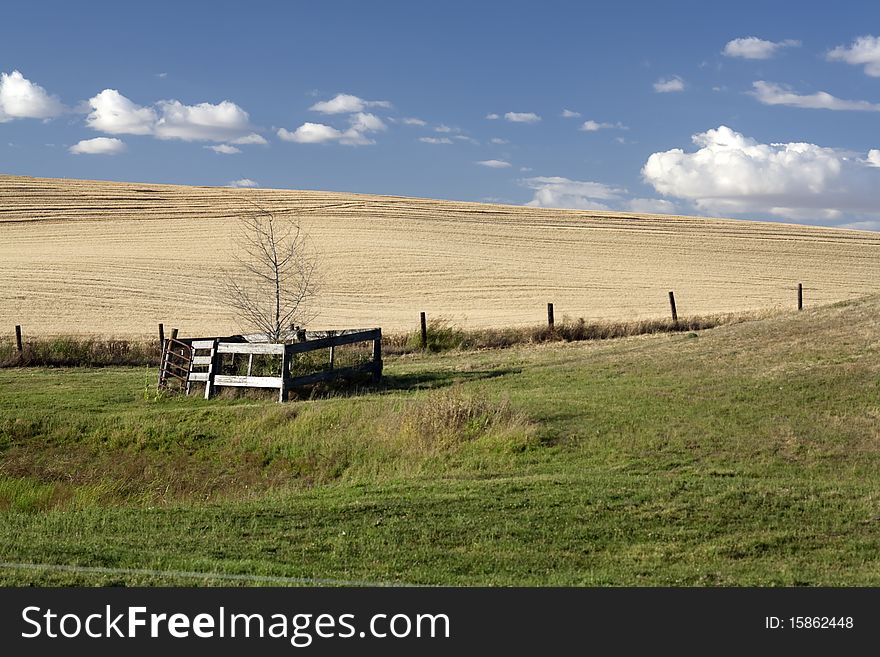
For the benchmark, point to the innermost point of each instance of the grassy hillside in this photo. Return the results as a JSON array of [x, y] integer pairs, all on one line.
[[746, 454], [115, 259]]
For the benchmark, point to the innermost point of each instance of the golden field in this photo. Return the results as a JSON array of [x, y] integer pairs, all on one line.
[[89, 257]]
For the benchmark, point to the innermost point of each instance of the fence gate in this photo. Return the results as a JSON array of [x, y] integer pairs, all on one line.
[[176, 364]]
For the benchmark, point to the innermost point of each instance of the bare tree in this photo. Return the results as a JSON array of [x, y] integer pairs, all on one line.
[[274, 279]]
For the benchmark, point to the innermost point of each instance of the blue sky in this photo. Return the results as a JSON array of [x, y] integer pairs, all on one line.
[[759, 110]]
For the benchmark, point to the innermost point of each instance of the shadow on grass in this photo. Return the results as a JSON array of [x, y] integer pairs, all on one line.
[[438, 379], [361, 386]]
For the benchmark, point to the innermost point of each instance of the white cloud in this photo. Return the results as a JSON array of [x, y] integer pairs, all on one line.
[[98, 146], [202, 122], [252, 138], [755, 48], [243, 182], [593, 126], [522, 117], [22, 99], [864, 51], [346, 104], [315, 133], [558, 192], [435, 140], [498, 140], [666, 85], [310, 133], [770, 93], [466, 138], [525, 169], [494, 164], [224, 149], [873, 159], [366, 122], [115, 114], [493, 117], [731, 173], [444, 129], [413, 121], [162, 75], [569, 114]]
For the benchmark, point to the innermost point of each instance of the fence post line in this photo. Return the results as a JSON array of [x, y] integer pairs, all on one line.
[[161, 334], [800, 296], [424, 327], [18, 338], [672, 305], [550, 315], [377, 355]]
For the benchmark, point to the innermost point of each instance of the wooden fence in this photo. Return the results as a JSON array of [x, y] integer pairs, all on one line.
[[202, 357]]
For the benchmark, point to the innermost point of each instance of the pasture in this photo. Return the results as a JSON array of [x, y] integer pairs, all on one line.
[[745, 454]]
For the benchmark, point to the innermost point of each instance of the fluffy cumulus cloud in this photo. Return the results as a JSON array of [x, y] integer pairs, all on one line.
[[202, 122], [873, 159], [770, 93], [755, 48], [864, 51], [730, 173], [668, 85], [346, 104], [98, 146], [113, 113], [522, 117], [360, 123], [22, 99], [310, 133], [494, 164], [243, 183], [492, 116]]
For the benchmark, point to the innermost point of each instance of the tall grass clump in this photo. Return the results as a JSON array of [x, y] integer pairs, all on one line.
[[449, 418], [76, 352], [443, 335]]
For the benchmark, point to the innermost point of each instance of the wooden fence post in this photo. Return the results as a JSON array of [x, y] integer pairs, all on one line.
[[282, 391], [550, 315], [18, 338], [424, 325], [213, 366], [672, 305], [377, 356], [332, 349], [800, 296], [161, 335]]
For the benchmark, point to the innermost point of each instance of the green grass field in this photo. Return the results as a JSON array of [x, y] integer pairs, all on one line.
[[742, 455]]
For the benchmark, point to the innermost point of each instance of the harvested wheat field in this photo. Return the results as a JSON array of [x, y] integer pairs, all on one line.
[[89, 257]]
